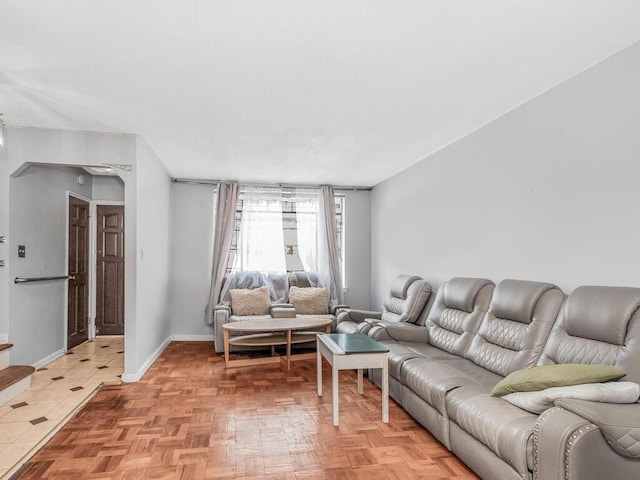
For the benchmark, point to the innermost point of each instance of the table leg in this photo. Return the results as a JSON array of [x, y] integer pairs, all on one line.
[[360, 390], [385, 390], [288, 349], [319, 367], [334, 392], [225, 334]]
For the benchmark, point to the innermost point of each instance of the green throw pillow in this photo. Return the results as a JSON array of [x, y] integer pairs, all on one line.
[[561, 375]]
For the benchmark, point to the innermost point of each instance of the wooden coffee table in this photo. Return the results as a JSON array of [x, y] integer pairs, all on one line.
[[272, 332]]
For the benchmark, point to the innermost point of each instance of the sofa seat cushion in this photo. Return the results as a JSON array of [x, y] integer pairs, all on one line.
[[431, 352], [480, 376], [431, 380], [400, 352], [503, 428], [347, 326], [244, 318]]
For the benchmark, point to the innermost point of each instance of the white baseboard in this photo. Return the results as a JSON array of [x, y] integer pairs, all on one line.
[[134, 377], [193, 338], [48, 359]]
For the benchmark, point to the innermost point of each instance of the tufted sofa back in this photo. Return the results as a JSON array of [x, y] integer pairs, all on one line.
[[456, 313], [514, 330], [407, 298], [598, 325]]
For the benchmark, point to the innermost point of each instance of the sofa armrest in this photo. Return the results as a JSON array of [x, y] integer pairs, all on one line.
[[619, 423], [221, 314], [357, 316], [398, 331], [336, 309], [570, 447]]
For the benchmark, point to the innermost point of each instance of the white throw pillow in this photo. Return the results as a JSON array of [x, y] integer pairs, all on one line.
[[611, 392], [246, 301], [310, 300]]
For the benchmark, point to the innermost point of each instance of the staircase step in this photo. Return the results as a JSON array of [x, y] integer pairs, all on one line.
[[13, 374], [5, 346]]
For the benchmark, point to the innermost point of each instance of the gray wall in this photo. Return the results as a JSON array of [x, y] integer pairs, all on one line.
[[149, 331], [546, 192], [38, 221], [110, 188], [191, 252], [191, 255], [357, 248], [4, 247]]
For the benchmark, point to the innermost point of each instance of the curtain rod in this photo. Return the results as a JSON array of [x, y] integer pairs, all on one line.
[[285, 185]]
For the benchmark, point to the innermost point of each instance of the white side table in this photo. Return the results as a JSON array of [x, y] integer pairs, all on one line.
[[353, 351]]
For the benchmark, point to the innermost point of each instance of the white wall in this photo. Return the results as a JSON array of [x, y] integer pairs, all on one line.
[[38, 219], [547, 192], [191, 254], [149, 333]]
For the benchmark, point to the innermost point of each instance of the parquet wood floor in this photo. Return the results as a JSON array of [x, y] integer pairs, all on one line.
[[189, 418]]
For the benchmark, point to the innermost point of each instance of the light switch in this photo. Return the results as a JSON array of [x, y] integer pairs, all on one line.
[[22, 251]]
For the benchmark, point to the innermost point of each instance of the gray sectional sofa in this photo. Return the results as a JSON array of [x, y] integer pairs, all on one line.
[[444, 364]]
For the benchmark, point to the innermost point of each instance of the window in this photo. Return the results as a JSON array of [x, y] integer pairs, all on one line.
[[284, 216]]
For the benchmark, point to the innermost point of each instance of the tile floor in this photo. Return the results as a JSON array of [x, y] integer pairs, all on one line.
[[57, 392]]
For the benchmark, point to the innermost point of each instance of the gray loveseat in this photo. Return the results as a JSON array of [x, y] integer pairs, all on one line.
[[474, 335], [278, 285]]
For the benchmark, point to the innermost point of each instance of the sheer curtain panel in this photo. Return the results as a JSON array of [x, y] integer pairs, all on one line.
[[317, 239], [225, 211], [328, 219], [261, 240]]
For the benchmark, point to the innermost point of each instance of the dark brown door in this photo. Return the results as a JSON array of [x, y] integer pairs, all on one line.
[[78, 297], [110, 270]]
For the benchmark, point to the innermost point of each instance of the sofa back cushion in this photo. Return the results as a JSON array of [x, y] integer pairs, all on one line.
[[598, 325], [407, 298], [456, 313], [514, 330]]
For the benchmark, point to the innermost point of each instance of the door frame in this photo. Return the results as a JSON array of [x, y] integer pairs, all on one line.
[[90, 273], [93, 245]]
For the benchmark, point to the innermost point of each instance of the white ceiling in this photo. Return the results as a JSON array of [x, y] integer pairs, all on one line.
[[299, 91]]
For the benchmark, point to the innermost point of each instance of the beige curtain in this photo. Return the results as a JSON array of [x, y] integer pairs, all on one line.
[[328, 213], [226, 200]]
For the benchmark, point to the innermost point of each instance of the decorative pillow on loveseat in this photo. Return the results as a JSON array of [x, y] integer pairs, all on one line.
[[560, 375], [246, 301], [310, 300]]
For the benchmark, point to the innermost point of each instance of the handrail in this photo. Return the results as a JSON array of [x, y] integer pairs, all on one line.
[[42, 279]]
